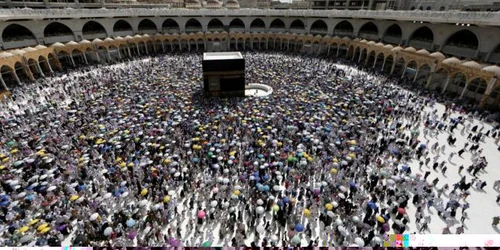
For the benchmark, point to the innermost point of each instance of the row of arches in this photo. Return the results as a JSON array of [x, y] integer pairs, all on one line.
[[423, 37], [387, 61]]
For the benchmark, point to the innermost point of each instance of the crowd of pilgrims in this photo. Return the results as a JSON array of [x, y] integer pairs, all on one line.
[[134, 154]]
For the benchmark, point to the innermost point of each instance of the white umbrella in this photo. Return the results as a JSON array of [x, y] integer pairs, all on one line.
[[330, 214], [124, 194], [355, 219], [21, 195], [260, 202], [339, 222], [80, 200], [259, 210], [213, 203], [343, 189], [359, 241], [143, 203], [342, 230], [94, 216], [342, 196], [108, 231], [107, 196], [377, 239], [51, 188]]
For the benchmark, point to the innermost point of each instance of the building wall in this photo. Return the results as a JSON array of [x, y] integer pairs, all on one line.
[[488, 37]]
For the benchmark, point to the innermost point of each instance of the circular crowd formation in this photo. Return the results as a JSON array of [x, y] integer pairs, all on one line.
[[134, 154]]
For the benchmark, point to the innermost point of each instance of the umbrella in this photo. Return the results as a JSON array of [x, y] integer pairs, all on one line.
[[296, 239], [380, 219], [299, 227], [359, 241], [201, 214], [329, 206], [132, 234], [27, 238], [61, 227], [23, 229], [401, 210], [131, 223], [108, 231], [206, 244], [343, 189], [372, 205], [94, 216], [330, 214], [174, 243], [51, 188], [259, 210], [341, 196]]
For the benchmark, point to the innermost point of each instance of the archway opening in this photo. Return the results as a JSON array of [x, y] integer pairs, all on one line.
[[476, 89], [92, 30], [8, 77], [362, 56], [389, 61], [422, 75], [399, 67], [170, 26], [369, 31], [16, 35], [147, 26], [278, 25], [21, 72], [237, 25], [122, 28], [65, 59], [422, 38], [343, 28], [379, 62], [297, 26], [44, 65], [78, 57], [438, 80], [463, 43], [370, 60], [457, 84], [33, 67], [215, 25], [393, 34], [257, 25], [57, 32], [410, 71], [193, 26], [319, 27]]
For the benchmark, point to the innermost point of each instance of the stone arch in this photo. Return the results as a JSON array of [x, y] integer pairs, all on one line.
[[65, 59], [399, 67], [343, 28], [297, 24], [368, 31], [122, 28], [423, 38], [146, 26], [379, 61], [170, 26], [458, 81], [236, 25], [93, 29], [21, 72], [422, 74], [494, 56], [438, 79], [57, 32], [370, 59], [257, 23], [7, 74], [462, 43], [215, 25], [476, 88], [44, 65], [277, 24], [78, 57], [15, 32], [387, 66], [319, 27], [393, 34], [410, 70], [363, 55], [193, 26]]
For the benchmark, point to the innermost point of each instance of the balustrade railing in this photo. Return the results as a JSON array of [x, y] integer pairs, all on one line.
[[477, 18]]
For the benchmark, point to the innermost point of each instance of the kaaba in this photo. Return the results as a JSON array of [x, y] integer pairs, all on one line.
[[223, 74]]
